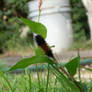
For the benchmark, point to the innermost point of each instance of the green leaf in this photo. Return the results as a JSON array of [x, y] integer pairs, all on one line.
[[38, 51], [73, 65], [66, 84], [8, 83], [53, 46], [89, 86], [29, 61], [36, 27]]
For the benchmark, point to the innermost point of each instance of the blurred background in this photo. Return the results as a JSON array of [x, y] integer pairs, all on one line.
[[68, 25]]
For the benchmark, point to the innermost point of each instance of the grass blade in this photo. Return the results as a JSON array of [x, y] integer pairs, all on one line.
[[47, 79], [9, 85]]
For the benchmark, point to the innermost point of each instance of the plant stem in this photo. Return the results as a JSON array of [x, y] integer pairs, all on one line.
[[79, 73], [29, 81], [36, 64], [55, 85], [47, 79], [39, 15], [38, 77], [2, 74]]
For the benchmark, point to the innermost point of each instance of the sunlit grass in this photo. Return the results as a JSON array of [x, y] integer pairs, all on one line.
[[20, 83]]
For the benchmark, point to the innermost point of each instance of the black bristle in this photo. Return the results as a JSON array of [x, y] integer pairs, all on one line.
[[49, 53], [39, 39], [41, 42]]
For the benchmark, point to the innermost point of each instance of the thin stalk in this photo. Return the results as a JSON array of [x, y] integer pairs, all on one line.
[[44, 77], [36, 64], [55, 85], [70, 77], [39, 15], [29, 81], [47, 79], [79, 73], [9, 85], [38, 77], [61, 68]]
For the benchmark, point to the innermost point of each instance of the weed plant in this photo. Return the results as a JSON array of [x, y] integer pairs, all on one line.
[[56, 79]]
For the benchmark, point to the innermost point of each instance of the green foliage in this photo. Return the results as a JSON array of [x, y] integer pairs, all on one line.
[[38, 51], [16, 43], [90, 86], [65, 78], [67, 85], [63, 84], [9, 11], [29, 61], [73, 65], [80, 24], [36, 27], [20, 83], [2, 74]]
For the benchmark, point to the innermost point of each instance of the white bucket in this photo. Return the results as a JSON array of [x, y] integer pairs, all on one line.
[[56, 17]]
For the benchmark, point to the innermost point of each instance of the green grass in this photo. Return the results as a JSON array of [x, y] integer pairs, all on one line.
[[27, 82], [84, 45]]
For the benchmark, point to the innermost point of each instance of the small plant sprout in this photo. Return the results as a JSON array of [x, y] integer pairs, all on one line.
[[39, 4], [40, 9]]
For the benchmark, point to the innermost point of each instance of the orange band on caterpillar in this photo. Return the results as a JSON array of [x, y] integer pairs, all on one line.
[[42, 44]]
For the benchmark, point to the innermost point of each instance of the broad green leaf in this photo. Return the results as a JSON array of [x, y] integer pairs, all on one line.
[[29, 61], [72, 66], [36, 27], [38, 51], [66, 84]]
